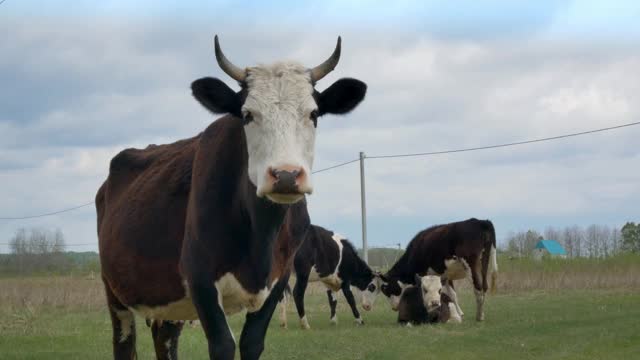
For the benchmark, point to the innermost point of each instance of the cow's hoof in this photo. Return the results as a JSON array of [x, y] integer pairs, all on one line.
[[334, 321], [359, 322], [304, 324]]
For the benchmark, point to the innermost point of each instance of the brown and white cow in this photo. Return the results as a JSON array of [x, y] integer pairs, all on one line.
[[453, 251], [208, 226]]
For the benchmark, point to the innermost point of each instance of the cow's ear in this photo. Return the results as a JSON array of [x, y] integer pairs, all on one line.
[[341, 97], [216, 96]]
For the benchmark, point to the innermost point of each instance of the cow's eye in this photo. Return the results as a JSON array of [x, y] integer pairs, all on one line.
[[247, 117], [371, 287]]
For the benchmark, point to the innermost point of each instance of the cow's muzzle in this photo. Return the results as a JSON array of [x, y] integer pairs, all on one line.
[[286, 184]]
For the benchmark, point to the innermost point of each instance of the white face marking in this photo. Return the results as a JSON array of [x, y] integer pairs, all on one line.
[[431, 286], [394, 300], [126, 324], [368, 296], [280, 100]]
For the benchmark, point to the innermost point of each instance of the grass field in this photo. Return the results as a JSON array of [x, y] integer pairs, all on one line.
[[64, 318]]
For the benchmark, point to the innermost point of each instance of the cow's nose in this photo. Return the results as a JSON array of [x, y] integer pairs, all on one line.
[[434, 304], [367, 307], [286, 179]]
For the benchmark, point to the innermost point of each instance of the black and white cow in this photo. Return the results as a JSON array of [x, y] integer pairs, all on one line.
[[427, 302], [453, 251], [331, 259]]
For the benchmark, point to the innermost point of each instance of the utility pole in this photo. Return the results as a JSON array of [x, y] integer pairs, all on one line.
[[363, 202]]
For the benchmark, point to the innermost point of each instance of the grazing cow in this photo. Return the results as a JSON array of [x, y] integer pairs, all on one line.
[[331, 259], [208, 226], [427, 302], [453, 251]]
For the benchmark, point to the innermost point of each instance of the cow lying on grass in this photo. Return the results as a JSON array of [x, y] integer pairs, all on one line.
[[427, 302]]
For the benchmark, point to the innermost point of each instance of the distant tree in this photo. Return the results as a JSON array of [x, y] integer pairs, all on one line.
[[37, 250], [615, 241], [604, 234], [568, 242], [578, 236], [591, 238], [551, 233], [630, 236]]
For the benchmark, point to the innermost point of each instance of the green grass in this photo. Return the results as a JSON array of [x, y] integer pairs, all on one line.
[[575, 324]]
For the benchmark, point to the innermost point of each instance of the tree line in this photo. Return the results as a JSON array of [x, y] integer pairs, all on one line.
[[40, 251], [596, 241]]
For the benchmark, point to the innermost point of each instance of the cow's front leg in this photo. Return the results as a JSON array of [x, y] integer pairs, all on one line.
[[286, 294], [256, 324], [302, 279], [451, 291], [346, 290], [208, 303]]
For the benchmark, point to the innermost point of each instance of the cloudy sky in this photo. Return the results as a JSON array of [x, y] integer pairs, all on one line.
[[81, 80]]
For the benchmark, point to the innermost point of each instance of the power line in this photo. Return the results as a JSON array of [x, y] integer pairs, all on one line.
[[91, 202], [47, 214], [387, 157], [335, 166], [504, 145]]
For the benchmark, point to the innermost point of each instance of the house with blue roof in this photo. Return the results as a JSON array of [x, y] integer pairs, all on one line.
[[549, 248]]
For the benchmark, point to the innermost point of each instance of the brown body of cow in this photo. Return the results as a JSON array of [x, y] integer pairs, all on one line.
[[209, 226], [142, 215]]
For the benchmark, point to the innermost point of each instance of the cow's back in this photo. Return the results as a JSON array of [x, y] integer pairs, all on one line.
[[141, 212]]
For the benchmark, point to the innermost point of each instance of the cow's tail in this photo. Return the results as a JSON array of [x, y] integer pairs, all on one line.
[[493, 259]]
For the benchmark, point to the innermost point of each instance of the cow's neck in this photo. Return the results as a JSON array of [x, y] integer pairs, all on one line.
[[361, 271], [401, 271], [264, 221]]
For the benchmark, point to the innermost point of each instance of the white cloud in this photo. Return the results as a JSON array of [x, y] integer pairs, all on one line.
[[118, 86]]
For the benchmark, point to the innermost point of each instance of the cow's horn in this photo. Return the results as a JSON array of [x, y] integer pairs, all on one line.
[[326, 67], [235, 72]]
